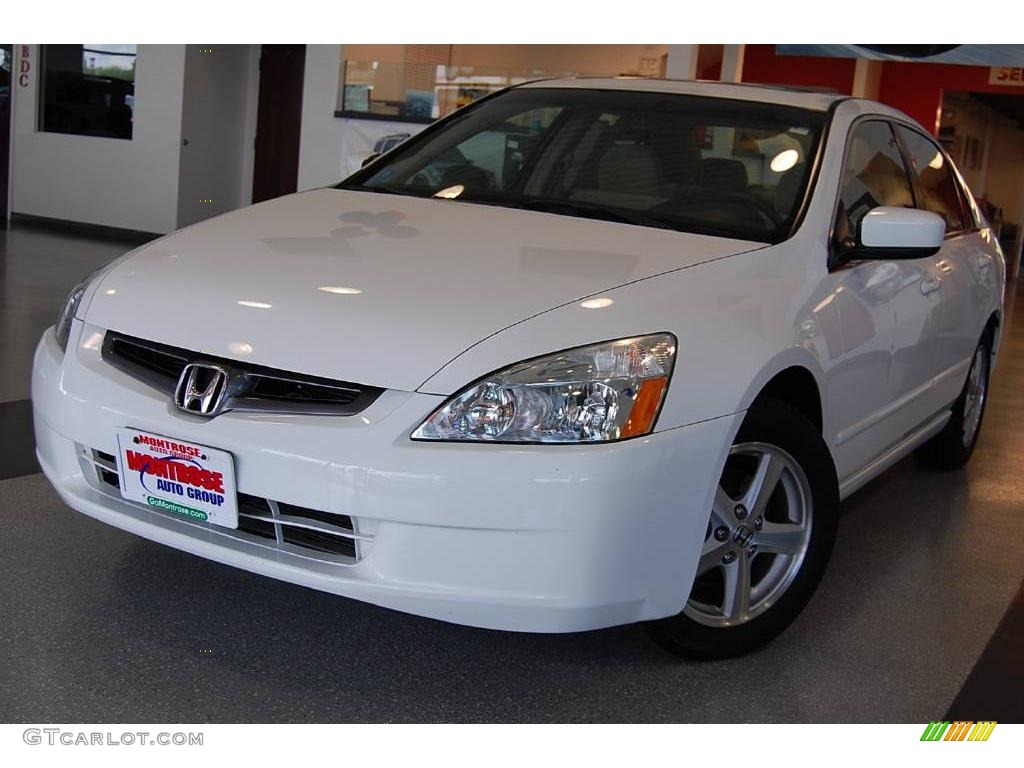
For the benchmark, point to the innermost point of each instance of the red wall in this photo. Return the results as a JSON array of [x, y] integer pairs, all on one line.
[[762, 65], [917, 88]]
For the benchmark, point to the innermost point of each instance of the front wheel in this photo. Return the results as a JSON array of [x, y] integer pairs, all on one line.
[[769, 537]]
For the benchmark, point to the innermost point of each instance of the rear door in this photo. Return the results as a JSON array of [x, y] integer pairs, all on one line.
[[957, 324]]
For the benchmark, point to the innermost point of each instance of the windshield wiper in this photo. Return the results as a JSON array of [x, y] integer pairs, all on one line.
[[542, 205], [586, 210], [408, 192]]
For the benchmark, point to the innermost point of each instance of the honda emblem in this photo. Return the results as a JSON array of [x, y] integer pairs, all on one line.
[[201, 388]]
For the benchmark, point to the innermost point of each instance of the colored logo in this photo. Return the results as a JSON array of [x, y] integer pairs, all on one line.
[[959, 731], [175, 470]]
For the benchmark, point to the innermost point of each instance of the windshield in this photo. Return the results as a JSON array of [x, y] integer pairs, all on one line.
[[691, 163]]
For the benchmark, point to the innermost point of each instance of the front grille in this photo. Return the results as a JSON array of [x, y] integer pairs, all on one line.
[[299, 530], [249, 388]]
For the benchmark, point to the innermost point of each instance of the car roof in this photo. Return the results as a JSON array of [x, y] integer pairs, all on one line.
[[794, 97]]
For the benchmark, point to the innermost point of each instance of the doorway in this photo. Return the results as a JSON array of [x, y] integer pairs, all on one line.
[[6, 94], [278, 121], [984, 134]]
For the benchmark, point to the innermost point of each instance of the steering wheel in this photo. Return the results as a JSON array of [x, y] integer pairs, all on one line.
[[420, 179], [739, 202]]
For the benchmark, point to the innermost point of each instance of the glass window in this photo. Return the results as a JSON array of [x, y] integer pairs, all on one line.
[[88, 89], [418, 92], [875, 174], [716, 166], [972, 214], [5, 76], [935, 182], [420, 83]]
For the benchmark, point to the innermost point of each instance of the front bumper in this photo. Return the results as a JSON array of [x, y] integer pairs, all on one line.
[[529, 538]]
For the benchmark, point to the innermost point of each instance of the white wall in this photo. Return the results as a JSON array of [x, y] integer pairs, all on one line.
[[215, 123], [681, 61], [115, 182], [252, 102], [320, 138]]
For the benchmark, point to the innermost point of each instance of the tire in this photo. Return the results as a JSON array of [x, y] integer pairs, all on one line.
[[952, 447], [799, 515]]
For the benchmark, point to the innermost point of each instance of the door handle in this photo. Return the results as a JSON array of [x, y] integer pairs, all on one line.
[[930, 285]]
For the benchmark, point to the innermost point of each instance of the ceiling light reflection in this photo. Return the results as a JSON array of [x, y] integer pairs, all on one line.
[[340, 289], [785, 160], [599, 303], [255, 304], [450, 193]]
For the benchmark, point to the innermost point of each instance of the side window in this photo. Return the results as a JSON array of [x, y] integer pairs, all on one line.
[[934, 179], [875, 174], [971, 214]]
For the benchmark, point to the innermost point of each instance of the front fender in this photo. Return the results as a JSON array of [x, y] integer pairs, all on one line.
[[737, 320]]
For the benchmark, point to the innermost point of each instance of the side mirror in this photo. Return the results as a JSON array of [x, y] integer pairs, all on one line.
[[898, 233], [369, 159]]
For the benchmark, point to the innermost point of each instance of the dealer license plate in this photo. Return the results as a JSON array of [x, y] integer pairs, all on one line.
[[192, 481]]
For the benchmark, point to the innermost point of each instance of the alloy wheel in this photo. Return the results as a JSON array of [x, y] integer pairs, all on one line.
[[974, 400], [756, 539]]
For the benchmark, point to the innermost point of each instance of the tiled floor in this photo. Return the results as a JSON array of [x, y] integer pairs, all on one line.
[[97, 625], [37, 269]]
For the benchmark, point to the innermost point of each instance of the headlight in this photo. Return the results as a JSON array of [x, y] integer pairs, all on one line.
[[591, 394], [67, 313]]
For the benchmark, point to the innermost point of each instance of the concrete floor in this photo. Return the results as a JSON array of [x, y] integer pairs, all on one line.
[[97, 625], [37, 269]]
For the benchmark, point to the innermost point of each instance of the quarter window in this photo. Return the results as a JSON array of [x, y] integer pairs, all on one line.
[[875, 174], [935, 183]]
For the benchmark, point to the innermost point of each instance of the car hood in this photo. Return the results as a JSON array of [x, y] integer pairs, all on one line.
[[371, 288]]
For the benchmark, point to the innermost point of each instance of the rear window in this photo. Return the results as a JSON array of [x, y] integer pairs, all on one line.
[[712, 166]]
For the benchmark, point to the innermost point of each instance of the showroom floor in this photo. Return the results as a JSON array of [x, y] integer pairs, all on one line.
[[920, 616]]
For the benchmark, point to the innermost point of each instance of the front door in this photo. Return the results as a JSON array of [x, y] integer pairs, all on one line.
[[278, 120], [886, 312]]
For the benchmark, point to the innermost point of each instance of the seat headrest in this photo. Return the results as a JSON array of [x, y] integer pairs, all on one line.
[[723, 174]]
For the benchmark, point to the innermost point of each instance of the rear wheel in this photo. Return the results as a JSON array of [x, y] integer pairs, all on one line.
[[953, 446], [769, 537]]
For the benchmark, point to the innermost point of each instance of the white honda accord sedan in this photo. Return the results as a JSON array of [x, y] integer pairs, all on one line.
[[585, 353]]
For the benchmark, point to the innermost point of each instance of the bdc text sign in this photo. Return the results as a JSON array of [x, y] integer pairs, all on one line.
[[24, 64]]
